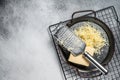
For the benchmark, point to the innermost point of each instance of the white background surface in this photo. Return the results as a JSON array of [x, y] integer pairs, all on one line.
[[26, 50]]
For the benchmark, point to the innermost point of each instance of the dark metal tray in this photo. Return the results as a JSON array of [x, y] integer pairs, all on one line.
[[109, 16]]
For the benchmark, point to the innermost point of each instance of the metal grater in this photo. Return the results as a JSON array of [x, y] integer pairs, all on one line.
[[70, 41]]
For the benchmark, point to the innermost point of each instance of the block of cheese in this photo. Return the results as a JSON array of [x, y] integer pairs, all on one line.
[[80, 59]]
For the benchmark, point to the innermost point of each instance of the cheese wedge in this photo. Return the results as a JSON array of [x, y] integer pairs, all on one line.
[[80, 59]]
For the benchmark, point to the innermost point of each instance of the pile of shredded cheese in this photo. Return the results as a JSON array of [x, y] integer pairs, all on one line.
[[91, 36]]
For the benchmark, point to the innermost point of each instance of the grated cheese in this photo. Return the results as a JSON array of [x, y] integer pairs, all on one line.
[[91, 36]]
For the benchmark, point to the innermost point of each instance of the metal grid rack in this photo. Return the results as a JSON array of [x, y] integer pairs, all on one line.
[[109, 16]]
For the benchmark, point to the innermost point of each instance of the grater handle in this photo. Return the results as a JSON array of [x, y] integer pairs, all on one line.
[[95, 63]]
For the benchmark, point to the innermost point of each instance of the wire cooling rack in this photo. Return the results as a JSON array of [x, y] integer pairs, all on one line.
[[109, 16]]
